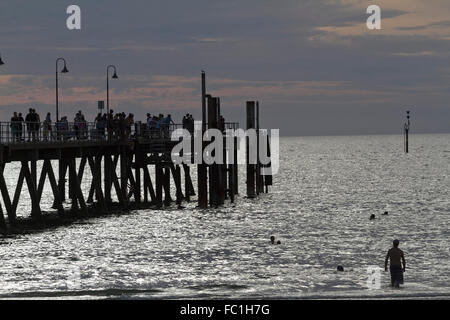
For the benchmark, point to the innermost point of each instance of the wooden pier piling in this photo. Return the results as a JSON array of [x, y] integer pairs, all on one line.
[[250, 167]]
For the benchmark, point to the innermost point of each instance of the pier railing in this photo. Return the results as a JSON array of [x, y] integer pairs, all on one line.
[[44, 132]]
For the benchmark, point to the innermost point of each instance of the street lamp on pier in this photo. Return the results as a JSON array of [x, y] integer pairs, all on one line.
[[64, 70], [107, 85]]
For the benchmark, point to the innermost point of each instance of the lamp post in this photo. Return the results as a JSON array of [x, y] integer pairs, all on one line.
[[64, 70], [107, 85]]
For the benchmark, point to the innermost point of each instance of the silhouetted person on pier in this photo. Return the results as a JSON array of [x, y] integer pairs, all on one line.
[[110, 124], [185, 121], [191, 124], [33, 124], [47, 127], [122, 125], [167, 121], [149, 126], [100, 125], [28, 120], [14, 127], [20, 121], [76, 125], [158, 125], [397, 258], [63, 128], [83, 126], [115, 126], [188, 123], [36, 124], [128, 124]]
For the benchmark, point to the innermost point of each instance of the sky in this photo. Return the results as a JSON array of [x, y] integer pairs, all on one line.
[[313, 65]]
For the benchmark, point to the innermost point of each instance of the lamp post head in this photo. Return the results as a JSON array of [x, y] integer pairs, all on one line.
[[115, 76], [1, 61], [64, 70]]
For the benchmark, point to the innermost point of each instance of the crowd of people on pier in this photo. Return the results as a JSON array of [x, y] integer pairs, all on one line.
[[105, 126]]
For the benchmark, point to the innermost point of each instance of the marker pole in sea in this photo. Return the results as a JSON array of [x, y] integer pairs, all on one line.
[[407, 124]]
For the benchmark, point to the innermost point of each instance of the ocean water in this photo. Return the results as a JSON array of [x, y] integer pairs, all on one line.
[[319, 208]]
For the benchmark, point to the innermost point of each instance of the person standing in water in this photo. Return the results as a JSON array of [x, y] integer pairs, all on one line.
[[397, 258]]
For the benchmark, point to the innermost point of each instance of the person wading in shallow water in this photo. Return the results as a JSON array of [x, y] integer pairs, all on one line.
[[397, 259]]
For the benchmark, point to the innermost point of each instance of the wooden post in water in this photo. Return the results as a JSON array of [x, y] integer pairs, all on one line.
[[235, 167], [250, 167], [6, 197], [146, 182], [213, 168], [33, 164], [2, 182], [159, 183], [62, 169], [72, 177], [107, 179], [268, 178], [231, 187], [187, 190], [71, 162], [166, 182], [137, 171], [202, 175], [259, 176], [2, 219], [221, 168], [124, 175], [407, 124]]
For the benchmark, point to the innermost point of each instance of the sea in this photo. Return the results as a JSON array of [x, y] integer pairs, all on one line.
[[318, 207]]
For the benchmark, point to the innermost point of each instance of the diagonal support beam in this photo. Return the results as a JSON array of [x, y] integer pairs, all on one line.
[[36, 209], [76, 187], [6, 197], [42, 182], [18, 190], [51, 177], [148, 185]]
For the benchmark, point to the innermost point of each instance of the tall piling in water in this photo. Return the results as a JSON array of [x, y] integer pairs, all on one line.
[[213, 169], [259, 176], [406, 132], [250, 167], [202, 175]]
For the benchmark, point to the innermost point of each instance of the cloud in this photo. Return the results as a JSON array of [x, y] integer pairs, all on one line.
[[415, 54], [290, 55]]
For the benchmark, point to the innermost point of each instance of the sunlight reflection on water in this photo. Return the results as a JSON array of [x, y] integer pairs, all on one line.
[[318, 207]]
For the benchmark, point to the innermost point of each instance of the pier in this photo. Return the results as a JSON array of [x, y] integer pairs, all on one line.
[[120, 169]]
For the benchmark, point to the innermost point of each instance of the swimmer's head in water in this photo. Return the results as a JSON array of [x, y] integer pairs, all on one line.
[[272, 239], [278, 242], [396, 243]]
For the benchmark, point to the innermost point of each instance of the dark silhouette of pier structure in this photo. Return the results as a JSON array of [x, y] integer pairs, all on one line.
[[64, 161]]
